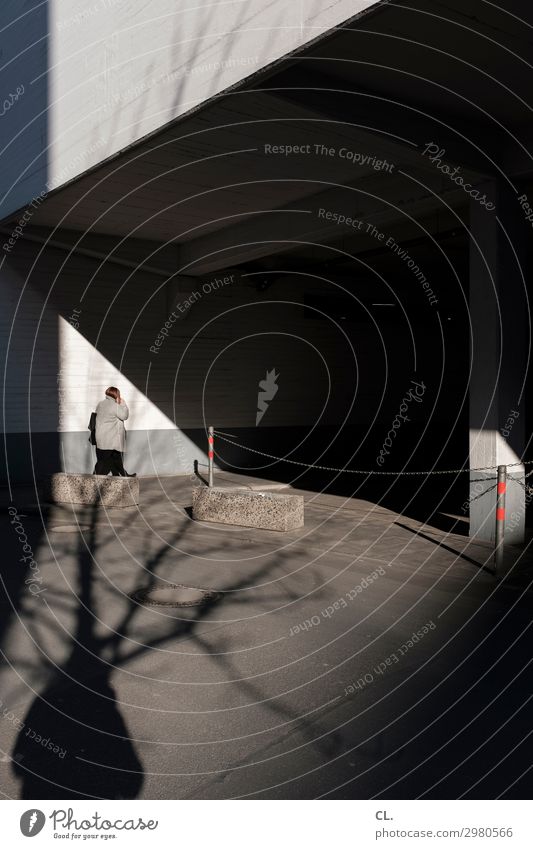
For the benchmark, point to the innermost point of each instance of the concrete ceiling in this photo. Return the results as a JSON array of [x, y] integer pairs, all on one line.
[[467, 59]]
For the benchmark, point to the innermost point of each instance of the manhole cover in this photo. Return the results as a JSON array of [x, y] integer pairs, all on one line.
[[69, 529], [176, 595]]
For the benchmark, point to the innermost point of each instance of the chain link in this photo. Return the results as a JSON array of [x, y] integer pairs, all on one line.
[[528, 489], [369, 472], [481, 494]]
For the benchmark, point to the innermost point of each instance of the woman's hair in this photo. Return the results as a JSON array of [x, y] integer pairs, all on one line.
[[112, 392]]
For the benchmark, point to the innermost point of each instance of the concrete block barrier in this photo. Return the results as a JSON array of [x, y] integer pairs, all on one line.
[[106, 491], [269, 510]]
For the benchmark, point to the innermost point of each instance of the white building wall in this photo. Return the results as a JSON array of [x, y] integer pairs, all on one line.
[[100, 74], [70, 329]]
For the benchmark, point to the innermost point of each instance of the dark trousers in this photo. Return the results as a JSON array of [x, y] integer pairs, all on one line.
[[109, 461]]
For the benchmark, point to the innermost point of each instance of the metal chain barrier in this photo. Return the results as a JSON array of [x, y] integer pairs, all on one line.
[[500, 486], [373, 472]]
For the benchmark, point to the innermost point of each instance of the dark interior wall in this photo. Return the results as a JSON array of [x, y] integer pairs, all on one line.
[[30, 357], [344, 363]]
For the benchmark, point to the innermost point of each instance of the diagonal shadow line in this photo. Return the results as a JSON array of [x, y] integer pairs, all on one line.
[[438, 544]]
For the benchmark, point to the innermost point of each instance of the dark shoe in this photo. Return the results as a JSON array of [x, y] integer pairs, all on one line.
[[133, 475]]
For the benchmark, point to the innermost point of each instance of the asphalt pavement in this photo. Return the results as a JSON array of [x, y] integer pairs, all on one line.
[[365, 655]]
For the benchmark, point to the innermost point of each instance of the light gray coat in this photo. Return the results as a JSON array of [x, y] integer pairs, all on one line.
[[110, 430]]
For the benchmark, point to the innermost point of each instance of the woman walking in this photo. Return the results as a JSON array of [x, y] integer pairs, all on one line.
[[111, 413]]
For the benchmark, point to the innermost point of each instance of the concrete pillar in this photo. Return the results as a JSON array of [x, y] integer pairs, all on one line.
[[498, 359]]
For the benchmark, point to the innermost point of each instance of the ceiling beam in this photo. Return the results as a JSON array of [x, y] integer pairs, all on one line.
[[370, 201]]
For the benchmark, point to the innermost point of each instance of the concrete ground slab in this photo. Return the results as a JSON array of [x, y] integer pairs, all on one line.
[[306, 678], [235, 506], [108, 491]]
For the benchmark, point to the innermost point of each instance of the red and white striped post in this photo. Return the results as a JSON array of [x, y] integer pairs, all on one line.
[[500, 518], [210, 453]]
